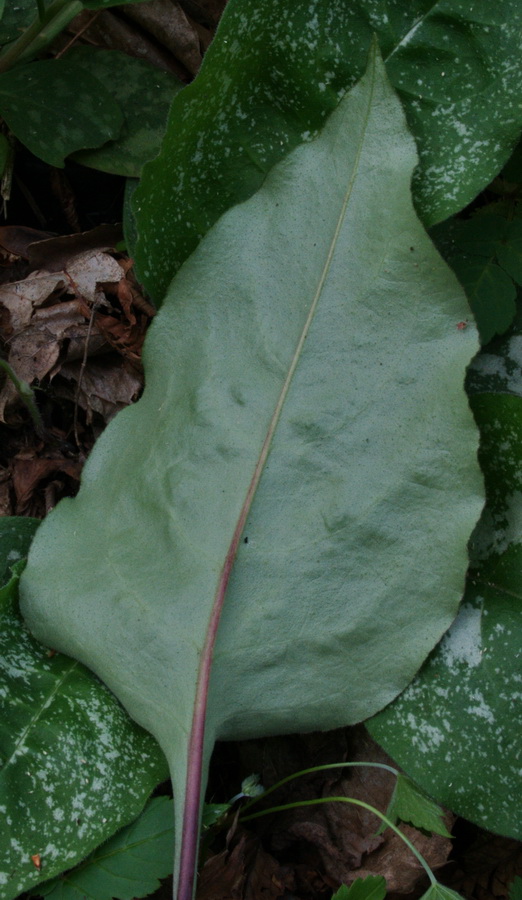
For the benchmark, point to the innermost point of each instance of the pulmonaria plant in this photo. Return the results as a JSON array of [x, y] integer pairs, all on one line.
[[294, 491], [102, 108], [275, 537]]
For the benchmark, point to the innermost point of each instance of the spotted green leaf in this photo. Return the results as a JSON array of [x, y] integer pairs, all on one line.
[[16, 534], [73, 767], [55, 108], [16, 17], [127, 866], [456, 729], [512, 171], [143, 93], [485, 252], [277, 68]]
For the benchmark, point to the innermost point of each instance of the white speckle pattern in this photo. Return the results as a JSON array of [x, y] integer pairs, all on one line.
[[287, 67], [74, 766], [472, 683], [463, 643]]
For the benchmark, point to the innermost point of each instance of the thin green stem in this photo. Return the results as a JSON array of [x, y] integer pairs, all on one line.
[[26, 394], [343, 765], [354, 802], [40, 33], [41, 9]]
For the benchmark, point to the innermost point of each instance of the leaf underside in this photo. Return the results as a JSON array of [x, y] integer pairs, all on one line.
[[317, 322]]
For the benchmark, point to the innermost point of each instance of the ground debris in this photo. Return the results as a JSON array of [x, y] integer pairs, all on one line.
[[323, 846], [487, 867], [243, 871], [74, 335], [169, 35]]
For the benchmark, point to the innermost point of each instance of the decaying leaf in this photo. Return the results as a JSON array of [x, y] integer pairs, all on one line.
[[55, 253], [244, 871], [16, 239], [54, 321], [169, 25], [104, 387], [28, 473], [169, 35], [488, 867], [346, 835]]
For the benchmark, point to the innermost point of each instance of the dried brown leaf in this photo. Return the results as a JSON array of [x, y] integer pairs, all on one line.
[[105, 386], [35, 351], [54, 253], [166, 21], [27, 475], [341, 853], [243, 872], [488, 867], [87, 271], [397, 863], [111, 31], [340, 838], [126, 337], [6, 506], [207, 12], [21, 298], [40, 335], [16, 239]]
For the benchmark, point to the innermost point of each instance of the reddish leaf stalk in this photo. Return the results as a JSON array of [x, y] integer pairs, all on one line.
[[190, 835]]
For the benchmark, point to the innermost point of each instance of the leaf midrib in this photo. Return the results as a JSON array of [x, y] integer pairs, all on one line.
[[406, 38], [197, 733], [480, 582], [36, 717]]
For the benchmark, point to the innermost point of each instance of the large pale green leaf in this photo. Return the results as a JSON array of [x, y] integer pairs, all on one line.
[[55, 108], [303, 415], [457, 728], [277, 68], [144, 95], [73, 767]]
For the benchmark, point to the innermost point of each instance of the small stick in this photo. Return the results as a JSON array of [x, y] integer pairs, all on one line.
[[82, 370], [78, 35]]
